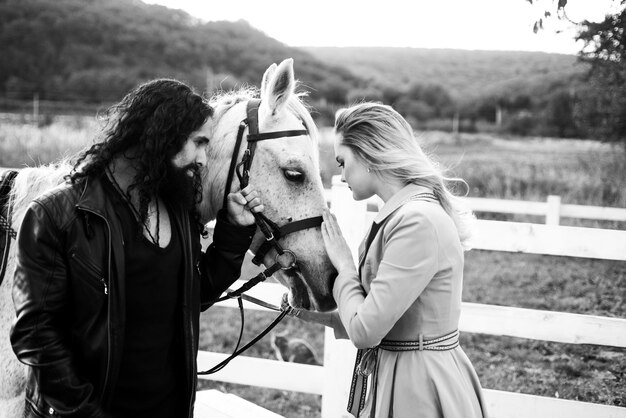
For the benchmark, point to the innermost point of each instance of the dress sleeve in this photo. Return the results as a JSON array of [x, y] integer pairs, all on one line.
[[408, 264]]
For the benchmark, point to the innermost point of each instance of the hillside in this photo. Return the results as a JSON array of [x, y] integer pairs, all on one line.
[[95, 50], [465, 74], [75, 55]]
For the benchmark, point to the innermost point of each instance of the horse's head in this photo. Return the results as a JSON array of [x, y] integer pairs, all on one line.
[[285, 170]]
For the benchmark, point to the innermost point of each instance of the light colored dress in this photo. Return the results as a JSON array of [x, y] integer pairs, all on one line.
[[410, 284]]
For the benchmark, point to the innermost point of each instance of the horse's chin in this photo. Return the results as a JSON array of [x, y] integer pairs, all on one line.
[[299, 292], [301, 296]]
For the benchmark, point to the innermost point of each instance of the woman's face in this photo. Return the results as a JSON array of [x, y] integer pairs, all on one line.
[[354, 172]]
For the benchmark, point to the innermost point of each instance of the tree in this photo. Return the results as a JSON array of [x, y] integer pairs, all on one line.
[[601, 105], [605, 50]]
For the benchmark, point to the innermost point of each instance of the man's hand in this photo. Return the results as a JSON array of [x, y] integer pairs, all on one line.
[[240, 205]]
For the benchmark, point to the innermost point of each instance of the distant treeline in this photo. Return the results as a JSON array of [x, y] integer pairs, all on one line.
[[96, 50], [89, 52]]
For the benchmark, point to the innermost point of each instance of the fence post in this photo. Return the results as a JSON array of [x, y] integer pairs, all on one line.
[[553, 212], [339, 355]]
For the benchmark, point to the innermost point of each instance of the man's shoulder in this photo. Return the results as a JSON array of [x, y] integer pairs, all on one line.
[[59, 202], [61, 193]]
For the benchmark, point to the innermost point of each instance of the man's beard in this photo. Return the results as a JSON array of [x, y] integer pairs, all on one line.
[[179, 187]]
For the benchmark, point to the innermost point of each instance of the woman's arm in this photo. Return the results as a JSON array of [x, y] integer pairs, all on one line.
[[408, 264], [328, 319]]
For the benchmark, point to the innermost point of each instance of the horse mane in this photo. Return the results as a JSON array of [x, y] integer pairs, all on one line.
[[32, 182]]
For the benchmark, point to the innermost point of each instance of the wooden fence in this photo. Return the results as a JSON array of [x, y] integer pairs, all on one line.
[[552, 209], [331, 381]]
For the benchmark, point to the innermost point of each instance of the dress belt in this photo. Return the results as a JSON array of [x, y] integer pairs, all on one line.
[[366, 360]]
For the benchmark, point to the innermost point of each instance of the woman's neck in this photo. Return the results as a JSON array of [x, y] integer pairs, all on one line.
[[386, 189]]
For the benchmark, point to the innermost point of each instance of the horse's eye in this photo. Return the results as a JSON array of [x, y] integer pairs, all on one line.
[[293, 175]]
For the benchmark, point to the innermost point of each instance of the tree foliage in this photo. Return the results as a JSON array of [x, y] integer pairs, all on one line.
[[95, 50], [600, 102], [603, 101]]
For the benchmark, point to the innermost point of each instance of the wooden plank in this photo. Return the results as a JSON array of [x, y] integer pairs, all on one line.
[[264, 373], [339, 357], [212, 403], [550, 239], [517, 405], [542, 325], [553, 212], [502, 320], [522, 207], [593, 212], [479, 204], [506, 206]]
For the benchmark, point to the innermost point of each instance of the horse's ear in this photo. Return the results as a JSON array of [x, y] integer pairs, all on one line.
[[281, 85], [266, 79]]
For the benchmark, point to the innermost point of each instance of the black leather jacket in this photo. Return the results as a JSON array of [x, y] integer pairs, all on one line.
[[70, 300]]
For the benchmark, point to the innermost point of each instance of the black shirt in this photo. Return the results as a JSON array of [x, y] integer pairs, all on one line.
[[150, 383]]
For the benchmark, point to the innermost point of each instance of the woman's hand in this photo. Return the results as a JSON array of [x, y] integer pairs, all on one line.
[[336, 245], [241, 204], [285, 306]]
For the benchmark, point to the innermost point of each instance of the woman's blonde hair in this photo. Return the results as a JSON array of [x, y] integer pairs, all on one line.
[[383, 140]]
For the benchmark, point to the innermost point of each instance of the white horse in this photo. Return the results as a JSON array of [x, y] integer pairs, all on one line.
[[284, 170]]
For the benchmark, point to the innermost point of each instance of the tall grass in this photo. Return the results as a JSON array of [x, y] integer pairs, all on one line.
[[580, 171], [27, 144]]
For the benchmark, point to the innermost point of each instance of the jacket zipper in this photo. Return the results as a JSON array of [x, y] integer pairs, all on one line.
[[108, 366], [87, 267]]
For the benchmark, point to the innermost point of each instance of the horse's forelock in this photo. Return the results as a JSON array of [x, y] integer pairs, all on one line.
[[223, 101]]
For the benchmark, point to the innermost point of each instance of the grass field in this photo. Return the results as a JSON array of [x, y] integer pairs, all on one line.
[[581, 172]]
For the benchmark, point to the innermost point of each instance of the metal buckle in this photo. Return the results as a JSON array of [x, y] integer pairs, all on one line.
[[290, 265]]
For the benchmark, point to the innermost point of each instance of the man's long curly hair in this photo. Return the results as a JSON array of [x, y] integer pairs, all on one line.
[[155, 120]]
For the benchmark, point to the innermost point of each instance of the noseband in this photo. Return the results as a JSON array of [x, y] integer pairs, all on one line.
[[285, 259]]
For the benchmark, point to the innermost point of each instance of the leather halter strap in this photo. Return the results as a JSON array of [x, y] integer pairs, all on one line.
[[283, 231]]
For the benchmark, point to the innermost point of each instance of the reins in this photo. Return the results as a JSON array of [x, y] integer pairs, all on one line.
[[285, 259]]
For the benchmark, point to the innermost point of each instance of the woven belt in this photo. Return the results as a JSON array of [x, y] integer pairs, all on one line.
[[366, 362]]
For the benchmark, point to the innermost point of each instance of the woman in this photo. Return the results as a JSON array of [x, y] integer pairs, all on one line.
[[401, 305]]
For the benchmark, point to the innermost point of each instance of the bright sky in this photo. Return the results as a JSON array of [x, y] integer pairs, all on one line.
[[464, 24]]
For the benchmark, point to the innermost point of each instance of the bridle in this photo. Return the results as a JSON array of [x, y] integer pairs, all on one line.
[[285, 259]]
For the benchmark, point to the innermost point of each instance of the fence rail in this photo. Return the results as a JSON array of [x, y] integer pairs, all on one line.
[[552, 209]]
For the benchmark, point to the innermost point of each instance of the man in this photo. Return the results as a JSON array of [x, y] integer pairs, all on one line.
[[110, 276]]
